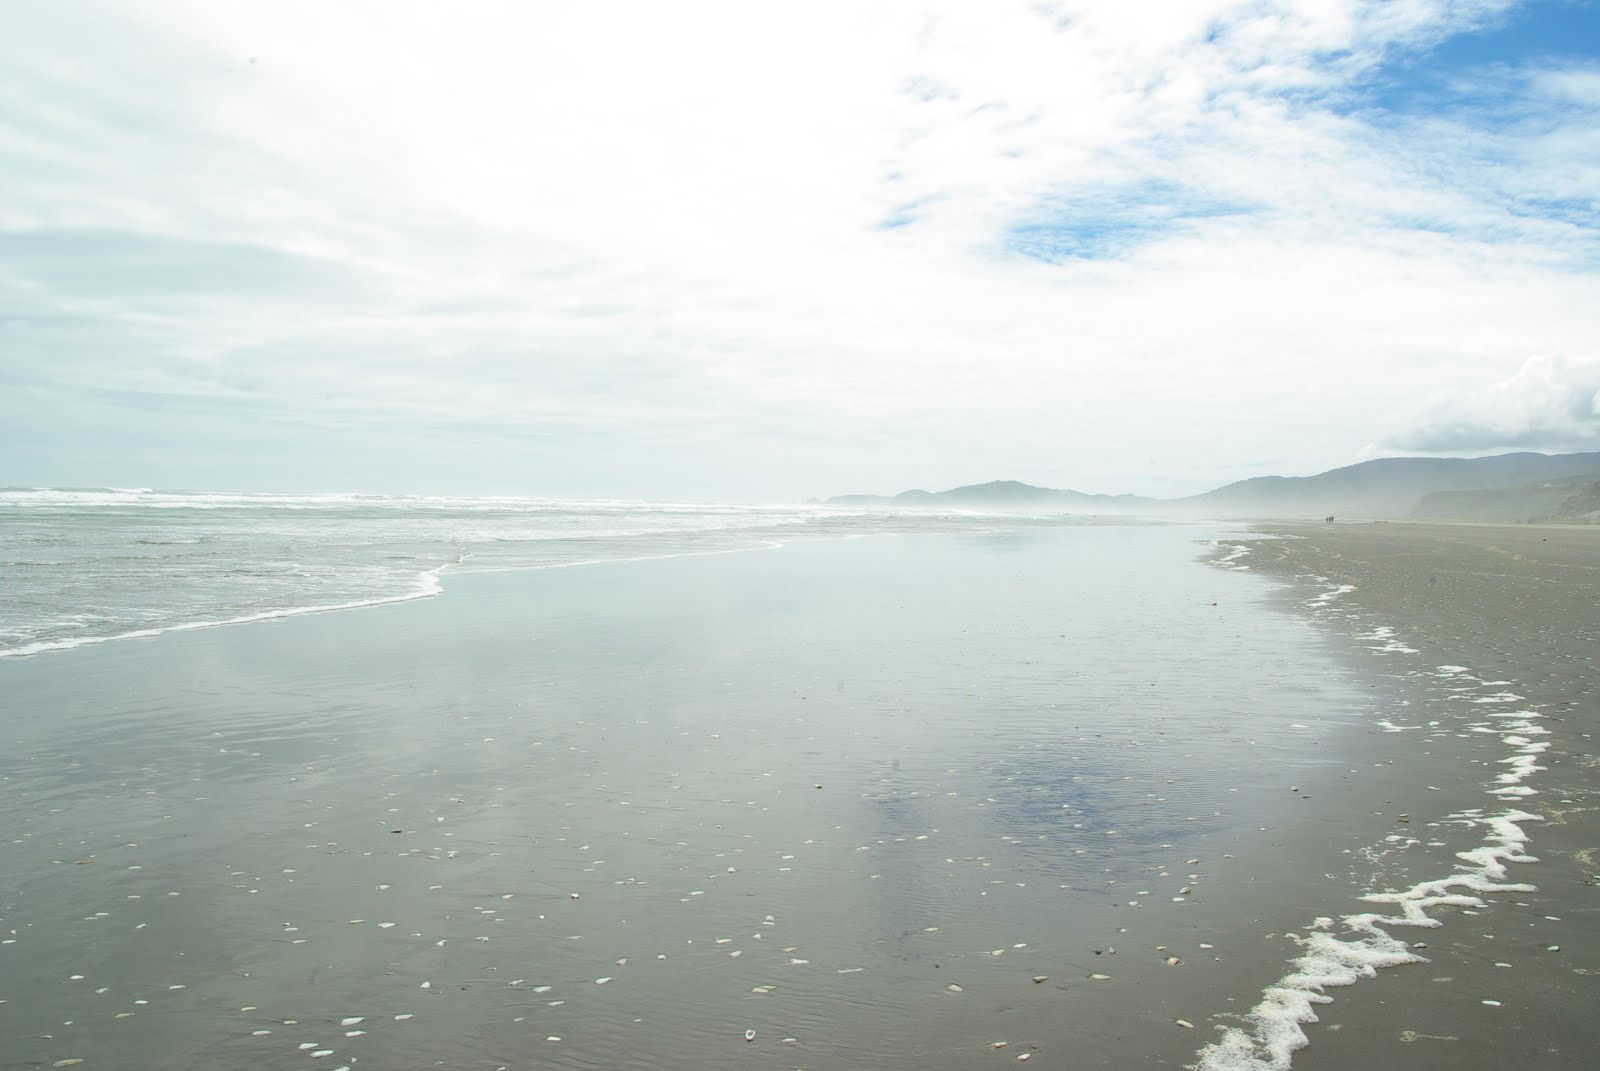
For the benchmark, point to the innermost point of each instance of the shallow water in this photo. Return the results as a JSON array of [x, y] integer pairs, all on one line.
[[81, 567], [854, 796]]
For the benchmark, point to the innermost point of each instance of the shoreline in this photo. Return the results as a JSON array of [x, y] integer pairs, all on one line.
[[429, 583], [431, 586], [1483, 634], [573, 732]]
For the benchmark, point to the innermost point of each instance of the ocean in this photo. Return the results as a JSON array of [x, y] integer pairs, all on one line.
[[82, 566]]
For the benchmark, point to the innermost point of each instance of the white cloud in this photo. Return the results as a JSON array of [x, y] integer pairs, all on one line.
[[1550, 403], [650, 218]]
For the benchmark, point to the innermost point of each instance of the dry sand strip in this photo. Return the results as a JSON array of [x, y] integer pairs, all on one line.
[[1507, 617]]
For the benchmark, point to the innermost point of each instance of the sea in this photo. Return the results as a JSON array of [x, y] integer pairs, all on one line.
[[84, 566]]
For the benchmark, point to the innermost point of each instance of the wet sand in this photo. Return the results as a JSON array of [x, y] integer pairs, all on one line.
[[854, 797], [1513, 982]]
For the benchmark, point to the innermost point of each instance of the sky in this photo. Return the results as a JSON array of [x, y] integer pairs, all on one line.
[[763, 252]]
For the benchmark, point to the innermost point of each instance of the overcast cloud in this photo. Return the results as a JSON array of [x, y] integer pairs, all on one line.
[[1551, 404], [745, 251]]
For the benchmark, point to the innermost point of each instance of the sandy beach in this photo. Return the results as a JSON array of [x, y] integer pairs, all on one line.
[[649, 537], [932, 802], [1513, 982]]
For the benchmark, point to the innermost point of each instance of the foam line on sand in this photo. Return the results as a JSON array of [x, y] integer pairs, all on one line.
[[1342, 952]]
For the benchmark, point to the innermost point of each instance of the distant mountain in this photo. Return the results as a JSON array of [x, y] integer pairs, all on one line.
[[1388, 487], [1004, 495], [1571, 501], [1391, 487]]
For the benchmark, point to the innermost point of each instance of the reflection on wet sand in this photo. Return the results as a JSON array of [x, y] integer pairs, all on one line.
[[905, 801]]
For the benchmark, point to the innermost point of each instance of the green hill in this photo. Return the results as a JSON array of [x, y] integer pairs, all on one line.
[[1571, 501]]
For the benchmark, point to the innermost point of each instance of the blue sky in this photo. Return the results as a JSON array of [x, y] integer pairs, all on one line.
[[731, 251], [1526, 34]]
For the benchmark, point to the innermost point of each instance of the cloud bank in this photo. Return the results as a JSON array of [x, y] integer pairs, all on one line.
[[1550, 404], [725, 250]]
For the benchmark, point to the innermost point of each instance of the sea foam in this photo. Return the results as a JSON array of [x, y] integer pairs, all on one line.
[[1362, 946]]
